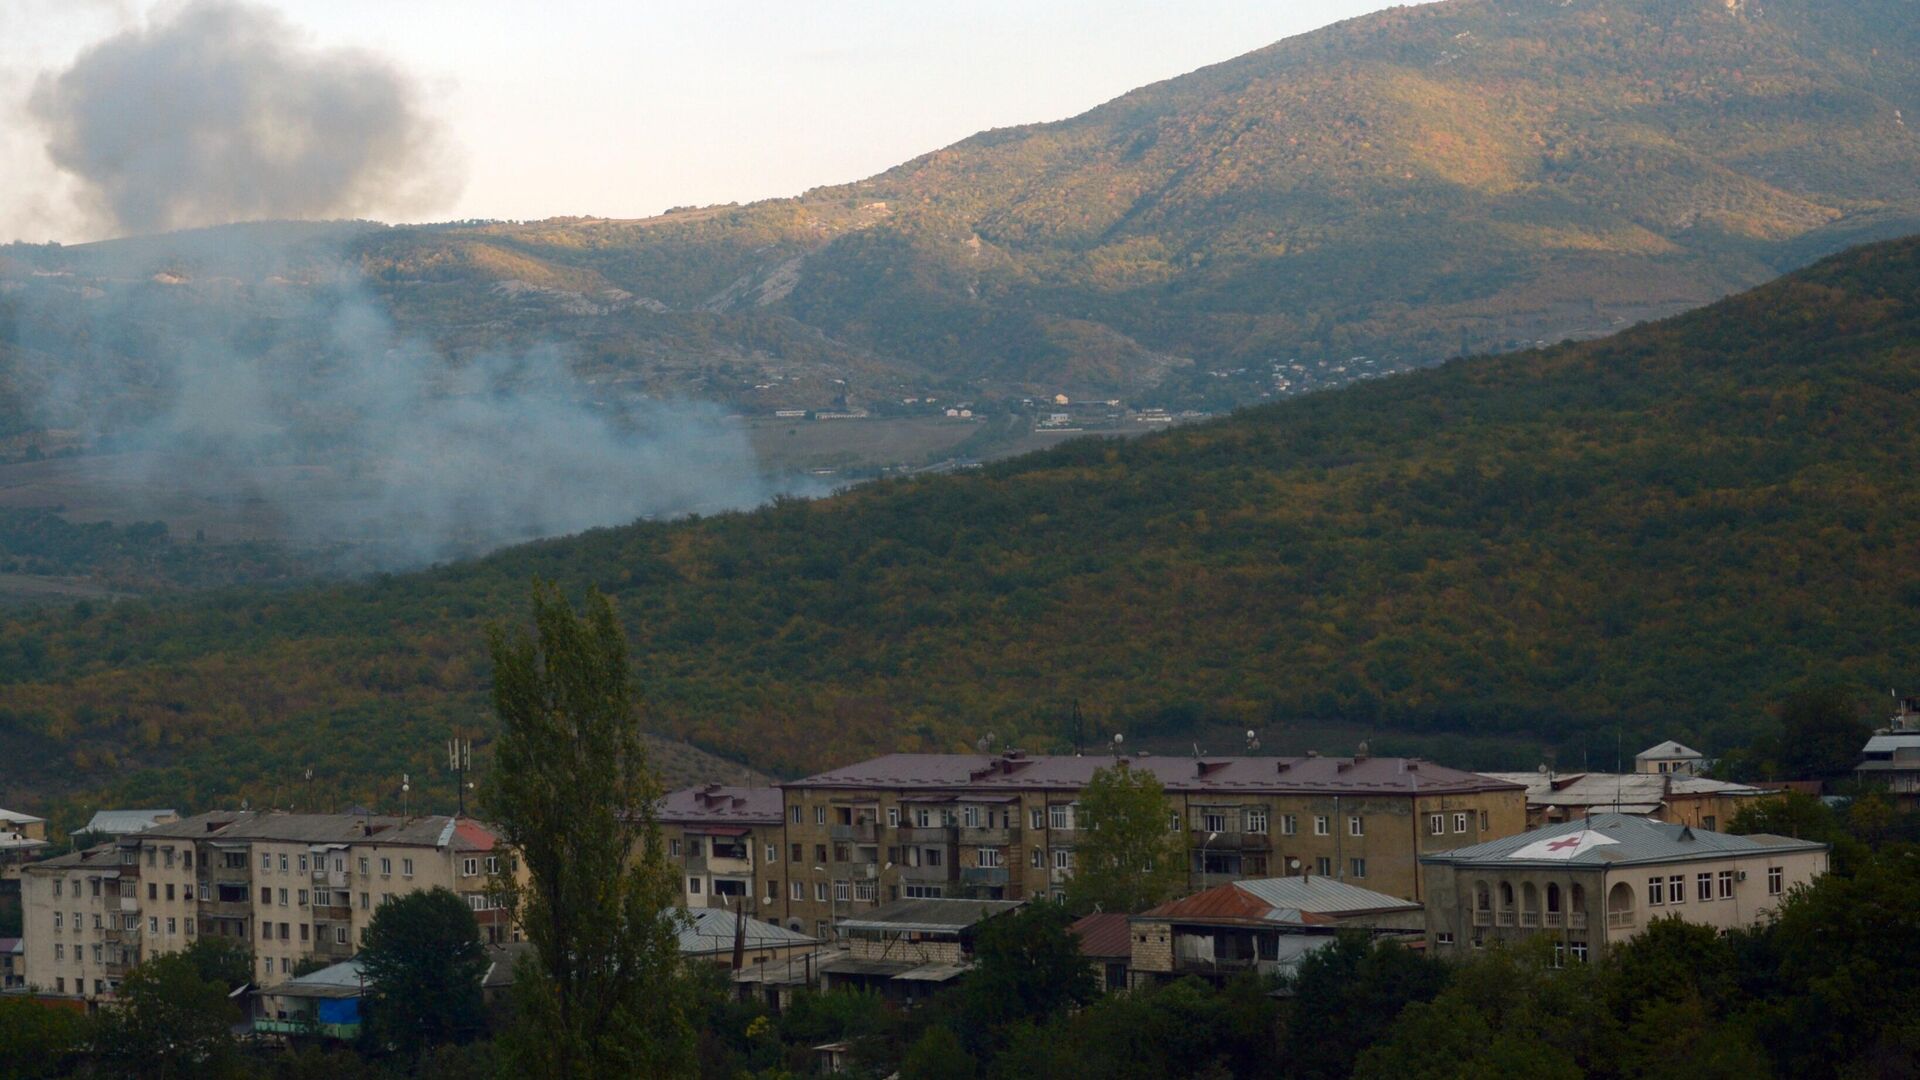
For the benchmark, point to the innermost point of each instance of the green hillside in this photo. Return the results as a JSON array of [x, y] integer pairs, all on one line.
[[1658, 533]]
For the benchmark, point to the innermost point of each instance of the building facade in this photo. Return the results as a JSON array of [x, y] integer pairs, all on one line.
[[290, 887], [933, 826], [1597, 881], [725, 844], [1669, 757], [1675, 796]]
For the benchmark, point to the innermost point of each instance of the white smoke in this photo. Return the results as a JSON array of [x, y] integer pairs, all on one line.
[[218, 111]]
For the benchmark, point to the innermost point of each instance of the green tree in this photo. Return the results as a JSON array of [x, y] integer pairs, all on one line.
[[38, 1040], [572, 792], [222, 960], [169, 1021], [1126, 858], [1346, 996], [938, 1055], [423, 963], [1027, 967], [1821, 733]]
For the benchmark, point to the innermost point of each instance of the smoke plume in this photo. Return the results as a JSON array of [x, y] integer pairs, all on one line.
[[218, 112]]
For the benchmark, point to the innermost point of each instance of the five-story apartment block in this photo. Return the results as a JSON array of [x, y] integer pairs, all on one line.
[[1005, 827], [292, 887], [725, 844]]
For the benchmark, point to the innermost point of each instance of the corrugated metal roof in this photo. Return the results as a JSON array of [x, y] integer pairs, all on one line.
[[1637, 792], [1322, 895], [1634, 840], [710, 930], [122, 822], [928, 916], [340, 980], [1302, 775], [17, 818], [435, 830], [1882, 744], [1104, 934]]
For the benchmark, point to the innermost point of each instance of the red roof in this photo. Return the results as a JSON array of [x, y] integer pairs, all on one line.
[[1104, 934], [1229, 902]]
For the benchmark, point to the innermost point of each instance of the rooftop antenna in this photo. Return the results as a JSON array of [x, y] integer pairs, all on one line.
[[406, 786], [460, 760], [1118, 739], [1253, 741]]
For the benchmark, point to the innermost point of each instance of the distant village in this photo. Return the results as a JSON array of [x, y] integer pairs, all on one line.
[[878, 875]]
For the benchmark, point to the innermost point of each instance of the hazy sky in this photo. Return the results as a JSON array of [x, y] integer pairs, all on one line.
[[624, 109]]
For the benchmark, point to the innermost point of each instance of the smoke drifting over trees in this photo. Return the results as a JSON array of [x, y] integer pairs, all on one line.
[[218, 111]]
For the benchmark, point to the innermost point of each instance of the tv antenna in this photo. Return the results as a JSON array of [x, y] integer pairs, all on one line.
[[460, 760]]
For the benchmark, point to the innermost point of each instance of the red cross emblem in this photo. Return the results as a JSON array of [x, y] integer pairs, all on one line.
[[1570, 842]]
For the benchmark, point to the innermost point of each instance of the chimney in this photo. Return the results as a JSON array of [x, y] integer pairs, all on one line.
[[1282, 765]]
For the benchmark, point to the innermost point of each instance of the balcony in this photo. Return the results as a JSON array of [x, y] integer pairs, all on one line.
[[1616, 919], [227, 909], [928, 834], [990, 837], [333, 912], [1576, 920], [1229, 841], [983, 875], [1530, 919], [330, 879], [333, 950], [925, 874], [1554, 919], [121, 935], [1503, 918], [1482, 917], [865, 832]]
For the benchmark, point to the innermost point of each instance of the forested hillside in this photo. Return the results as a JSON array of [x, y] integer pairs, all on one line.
[[1660, 532]]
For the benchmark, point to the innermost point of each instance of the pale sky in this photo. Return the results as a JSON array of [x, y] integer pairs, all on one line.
[[625, 109]]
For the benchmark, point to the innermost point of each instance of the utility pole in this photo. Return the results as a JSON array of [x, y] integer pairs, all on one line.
[[460, 760]]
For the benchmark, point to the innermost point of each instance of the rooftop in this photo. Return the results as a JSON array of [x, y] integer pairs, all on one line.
[[1289, 901], [1013, 771], [460, 834], [722, 804], [122, 822], [710, 930], [1104, 934], [928, 916], [14, 817], [1640, 793], [1608, 839], [1667, 751]]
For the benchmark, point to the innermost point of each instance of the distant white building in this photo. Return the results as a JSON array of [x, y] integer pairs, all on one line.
[[1669, 757], [117, 823]]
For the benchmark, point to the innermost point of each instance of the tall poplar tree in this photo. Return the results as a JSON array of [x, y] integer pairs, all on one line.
[[572, 792]]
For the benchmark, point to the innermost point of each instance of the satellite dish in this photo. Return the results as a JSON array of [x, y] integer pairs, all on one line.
[[1118, 738]]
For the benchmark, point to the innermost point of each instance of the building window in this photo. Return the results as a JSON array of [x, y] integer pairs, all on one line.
[[1483, 821], [386, 867], [693, 886], [793, 814], [1035, 818], [1038, 859], [1213, 821], [1703, 887], [934, 856], [56, 920], [283, 898], [1677, 888], [673, 848], [1060, 817], [773, 890], [988, 858], [363, 864], [865, 891], [1322, 825], [1436, 824], [842, 891], [1707, 822], [1460, 823], [795, 851], [1289, 824], [365, 901], [1443, 938], [1579, 950], [819, 815], [59, 950], [406, 867], [470, 867], [303, 898], [796, 890], [1323, 866], [1356, 826], [1776, 880], [971, 815], [1359, 868], [1656, 890], [1725, 878], [773, 854], [925, 892], [840, 853], [893, 817], [1559, 954], [1062, 859], [266, 894], [820, 891]]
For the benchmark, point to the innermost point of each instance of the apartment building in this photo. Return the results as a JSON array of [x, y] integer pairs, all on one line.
[[725, 844], [290, 886], [932, 826], [1599, 880]]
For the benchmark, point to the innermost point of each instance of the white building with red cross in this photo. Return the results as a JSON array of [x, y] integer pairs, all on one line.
[[1588, 883]]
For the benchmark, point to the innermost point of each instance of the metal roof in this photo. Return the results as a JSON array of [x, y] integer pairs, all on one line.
[[1666, 751], [1627, 840], [122, 822], [1104, 934], [1634, 792], [1881, 744], [928, 916], [1223, 775], [17, 818], [341, 980], [710, 930], [721, 804], [435, 831], [1323, 895]]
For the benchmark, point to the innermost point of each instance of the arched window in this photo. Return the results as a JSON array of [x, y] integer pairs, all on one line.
[[1620, 905], [1482, 899], [1553, 898], [1506, 896], [1529, 897], [1578, 897]]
